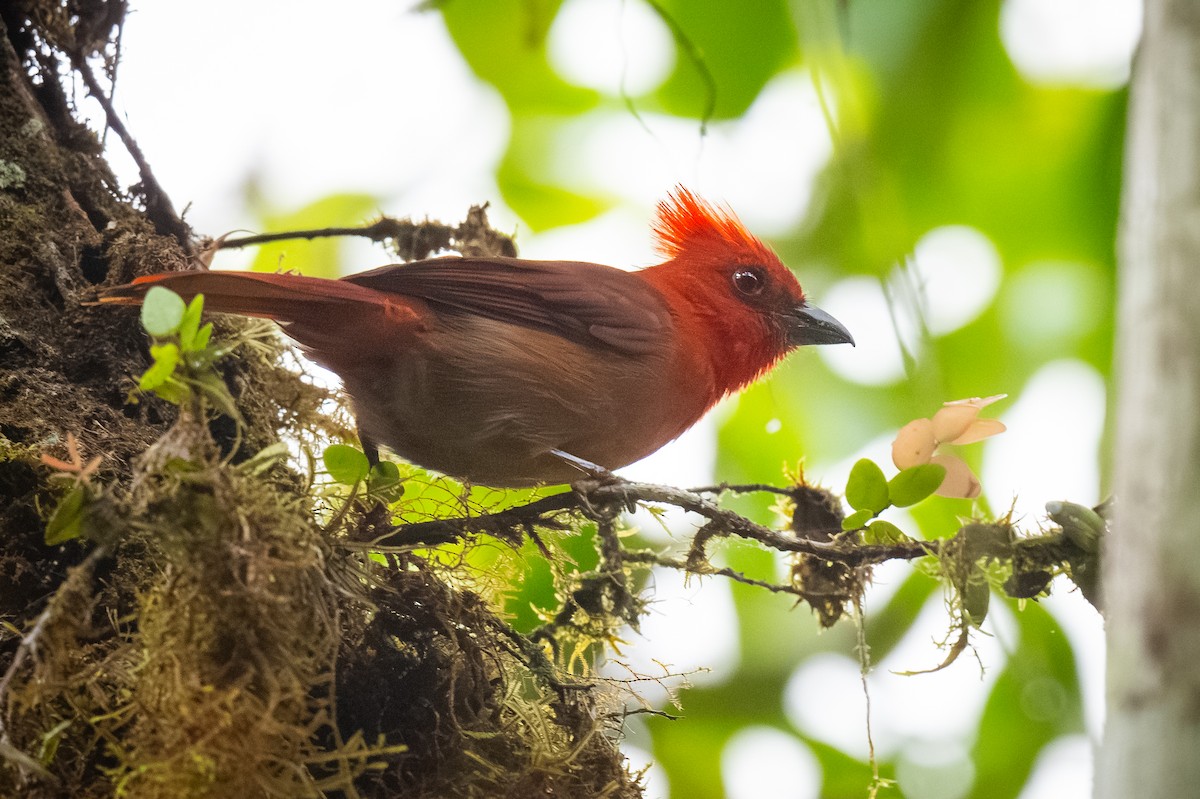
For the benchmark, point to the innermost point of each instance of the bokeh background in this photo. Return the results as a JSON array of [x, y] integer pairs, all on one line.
[[944, 177]]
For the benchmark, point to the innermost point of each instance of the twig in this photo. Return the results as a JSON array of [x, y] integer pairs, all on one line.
[[694, 54], [30, 640], [499, 524], [681, 564], [158, 205], [378, 231], [411, 241]]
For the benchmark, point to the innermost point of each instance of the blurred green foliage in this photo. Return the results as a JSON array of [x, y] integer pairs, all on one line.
[[319, 257], [934, 126]]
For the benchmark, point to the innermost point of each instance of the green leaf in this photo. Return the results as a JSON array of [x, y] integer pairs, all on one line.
[[1079, 523], [867, 488], [528, 187], [172, 390], [727, 53], [213, 388], [189, 326], [202, 337], [51, 740], [1035, 699], [68, 518], [166, 358], [162, 311], [384, 482], [915, 483], [504, 43], [976, 597], [881, 532], [346, 464], [857, 519], [265, 458]]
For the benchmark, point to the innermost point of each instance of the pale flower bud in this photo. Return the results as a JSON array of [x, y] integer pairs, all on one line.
[[914, 444], [960, 481]]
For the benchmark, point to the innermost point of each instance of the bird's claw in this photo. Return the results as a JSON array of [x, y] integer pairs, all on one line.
[[595, 476], [592, 471]]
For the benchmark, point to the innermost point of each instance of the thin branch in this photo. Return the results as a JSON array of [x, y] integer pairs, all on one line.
[[378, 231], [694, 54], [411, 241], [685, 565], [500, 524], [587, 498], [31, 639], [159, 208]]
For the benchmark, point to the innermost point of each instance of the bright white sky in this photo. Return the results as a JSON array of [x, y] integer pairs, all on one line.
[[313, 101]]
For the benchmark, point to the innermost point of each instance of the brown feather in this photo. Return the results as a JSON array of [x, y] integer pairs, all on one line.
[[583, 302]]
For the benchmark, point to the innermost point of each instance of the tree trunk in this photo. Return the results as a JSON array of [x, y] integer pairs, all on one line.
[[1152, 574]]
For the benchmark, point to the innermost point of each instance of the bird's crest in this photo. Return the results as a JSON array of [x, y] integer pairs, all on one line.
[[686, 223]]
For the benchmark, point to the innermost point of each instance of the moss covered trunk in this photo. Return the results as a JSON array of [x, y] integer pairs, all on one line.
[[203, 634]]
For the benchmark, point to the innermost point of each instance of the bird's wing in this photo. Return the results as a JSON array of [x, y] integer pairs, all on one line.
[[583, 302]]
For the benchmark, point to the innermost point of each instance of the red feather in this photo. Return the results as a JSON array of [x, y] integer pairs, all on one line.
[[688, 225]]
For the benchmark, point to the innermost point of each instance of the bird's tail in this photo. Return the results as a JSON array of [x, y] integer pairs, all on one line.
[[327, 317], [282, 298]]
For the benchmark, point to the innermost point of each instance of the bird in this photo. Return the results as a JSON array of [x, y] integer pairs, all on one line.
[[505, 372]]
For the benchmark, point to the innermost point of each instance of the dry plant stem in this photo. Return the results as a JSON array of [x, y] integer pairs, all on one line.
[[411, 241], [158, 205], [380, 230]]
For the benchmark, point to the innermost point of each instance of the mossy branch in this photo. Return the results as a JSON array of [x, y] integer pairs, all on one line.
[[1030, 560]]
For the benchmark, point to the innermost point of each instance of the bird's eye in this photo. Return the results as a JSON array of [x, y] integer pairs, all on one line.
[[749, 280]]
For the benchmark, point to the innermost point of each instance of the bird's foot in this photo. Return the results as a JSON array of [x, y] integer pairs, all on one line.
[[592, 471], [594, 477]]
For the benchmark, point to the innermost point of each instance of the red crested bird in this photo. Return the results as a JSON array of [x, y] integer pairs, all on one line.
[[507, 372]]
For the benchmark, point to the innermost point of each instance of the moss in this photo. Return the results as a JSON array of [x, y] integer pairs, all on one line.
[[213, 636]]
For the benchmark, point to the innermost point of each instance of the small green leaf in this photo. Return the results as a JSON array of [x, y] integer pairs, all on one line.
[[857, 519], [166, 358], [189, 326], [172, 391], [162, 311], [912, 485], [384, 482], [51, 740], [976, 597], [881, 532], [202, 337], [213, 388], [867, 488], [68, 518], [346, 464], [1082, 525], [265, 458]]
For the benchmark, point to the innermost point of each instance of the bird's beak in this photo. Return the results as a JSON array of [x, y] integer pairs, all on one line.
[[808, 324]]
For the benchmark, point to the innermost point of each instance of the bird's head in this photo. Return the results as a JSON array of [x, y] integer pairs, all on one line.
[[738, 293]]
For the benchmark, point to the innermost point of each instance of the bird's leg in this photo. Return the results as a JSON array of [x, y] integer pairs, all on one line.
[[370, 448], [595, 475], [592, 470]]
